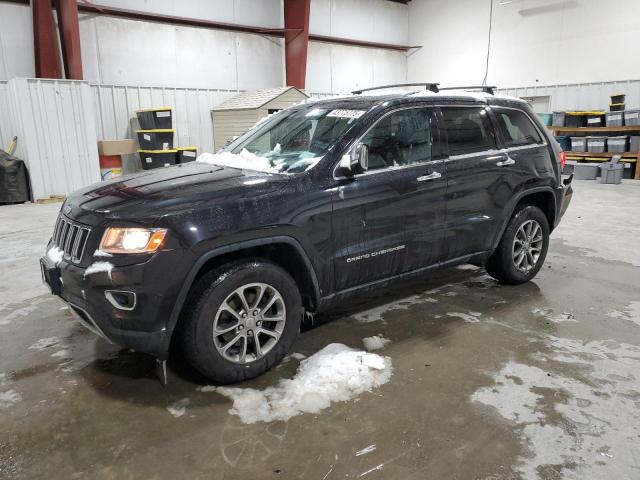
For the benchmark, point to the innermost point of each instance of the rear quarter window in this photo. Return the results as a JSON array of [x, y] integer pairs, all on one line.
[[516, 128], [468, 130]]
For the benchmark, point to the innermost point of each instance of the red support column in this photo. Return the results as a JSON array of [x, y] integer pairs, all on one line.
[[45, 40], [296, 40], [70, 37]]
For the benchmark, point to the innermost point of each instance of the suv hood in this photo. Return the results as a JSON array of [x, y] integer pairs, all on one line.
[[163, 191]]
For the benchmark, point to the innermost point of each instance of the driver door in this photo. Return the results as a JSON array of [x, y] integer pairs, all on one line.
[[390, 219]]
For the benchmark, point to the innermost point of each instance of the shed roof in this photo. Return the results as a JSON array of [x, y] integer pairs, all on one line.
[[255, 98]]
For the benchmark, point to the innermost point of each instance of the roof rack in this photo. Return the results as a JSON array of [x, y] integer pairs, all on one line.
[[486, 89], [429, 86]]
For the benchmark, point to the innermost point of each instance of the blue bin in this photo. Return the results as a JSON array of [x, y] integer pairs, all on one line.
[[565, 142], [546, 119]]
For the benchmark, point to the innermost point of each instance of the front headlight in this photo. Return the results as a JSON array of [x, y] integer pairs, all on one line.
[[132, 240]]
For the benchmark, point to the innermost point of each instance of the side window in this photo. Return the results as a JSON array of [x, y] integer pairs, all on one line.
[[468, 129], [400, 138], [516, 128]]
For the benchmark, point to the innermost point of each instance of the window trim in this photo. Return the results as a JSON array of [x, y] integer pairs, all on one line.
[[394, 168], [543, 139]]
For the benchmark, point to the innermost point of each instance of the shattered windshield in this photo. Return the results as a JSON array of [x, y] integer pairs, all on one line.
[[291, 141]]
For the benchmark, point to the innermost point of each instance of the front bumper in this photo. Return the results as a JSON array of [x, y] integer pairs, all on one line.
[[141, 326]]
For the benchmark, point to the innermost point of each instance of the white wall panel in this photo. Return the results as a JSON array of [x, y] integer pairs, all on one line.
[[585, 96], [133, 52], [341, 69], [371, 20], [54, 121], [532, 42], [6, 129], [16, 41], [263, 13]]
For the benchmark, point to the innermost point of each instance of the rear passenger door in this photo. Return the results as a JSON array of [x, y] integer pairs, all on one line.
[[476, 187]]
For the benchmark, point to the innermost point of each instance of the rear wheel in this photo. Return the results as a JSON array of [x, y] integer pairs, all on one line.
[[240, 321], [523, 247]]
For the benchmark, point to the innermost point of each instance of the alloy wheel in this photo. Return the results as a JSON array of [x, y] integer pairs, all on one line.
[[249, 323], [527, 246]]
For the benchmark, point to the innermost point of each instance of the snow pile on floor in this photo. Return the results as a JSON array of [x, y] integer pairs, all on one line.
[[336, 373], [470, 317], [8, 398], [179, 408], [45, 343], [375, 343], [55, 255], [243, 160], [97, 267]]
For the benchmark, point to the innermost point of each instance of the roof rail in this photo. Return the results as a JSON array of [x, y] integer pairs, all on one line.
[[486, 89], [433, 87]]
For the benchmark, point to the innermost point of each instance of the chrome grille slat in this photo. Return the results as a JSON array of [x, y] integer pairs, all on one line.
[[71, 238]]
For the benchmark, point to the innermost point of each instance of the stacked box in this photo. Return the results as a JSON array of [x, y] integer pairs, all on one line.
[[186, 154], [618, 98], [618, 144], [595, 120], [558, 119], [632, 117], [615, 119], [576, 119], [546, 119], [157, 158], [565, 142], [156, 139], [578, 144], [154, 118], [596, 144]]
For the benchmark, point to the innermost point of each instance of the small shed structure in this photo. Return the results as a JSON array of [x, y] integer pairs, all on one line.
[[238, 114]]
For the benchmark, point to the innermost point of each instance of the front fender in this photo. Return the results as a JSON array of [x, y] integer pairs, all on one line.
[[229, 248]]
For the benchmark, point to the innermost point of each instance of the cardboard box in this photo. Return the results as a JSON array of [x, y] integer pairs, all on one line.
[[117, 147]]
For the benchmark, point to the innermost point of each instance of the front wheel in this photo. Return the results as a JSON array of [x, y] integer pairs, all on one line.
[[240, 321], [523, 247]]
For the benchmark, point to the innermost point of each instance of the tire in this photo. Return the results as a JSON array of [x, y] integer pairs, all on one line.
[[254, 352], [507, 264]]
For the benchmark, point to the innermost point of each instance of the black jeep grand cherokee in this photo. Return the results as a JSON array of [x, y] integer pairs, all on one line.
[[321, 200]]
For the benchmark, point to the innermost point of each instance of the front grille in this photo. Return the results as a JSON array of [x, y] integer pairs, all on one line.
[[70, 238]]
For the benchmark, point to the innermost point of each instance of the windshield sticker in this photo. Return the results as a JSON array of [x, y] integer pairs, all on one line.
[[346, 113]]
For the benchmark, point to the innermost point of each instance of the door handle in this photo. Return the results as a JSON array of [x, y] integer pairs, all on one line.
[[431, 176], [508, 161]]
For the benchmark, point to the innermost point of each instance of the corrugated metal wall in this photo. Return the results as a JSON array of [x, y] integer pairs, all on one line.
[[55, 124], [115, 108], [583, 96], [5, 128]]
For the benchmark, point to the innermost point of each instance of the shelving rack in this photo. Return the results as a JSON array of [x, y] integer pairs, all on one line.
[[627, 157]]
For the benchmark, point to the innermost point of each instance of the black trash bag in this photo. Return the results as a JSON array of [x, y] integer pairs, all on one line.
[[14, 180]]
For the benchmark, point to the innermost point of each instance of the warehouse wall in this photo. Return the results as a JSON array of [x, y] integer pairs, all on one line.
[[16, 41], [131, 52], [533, 41], [339, 69]]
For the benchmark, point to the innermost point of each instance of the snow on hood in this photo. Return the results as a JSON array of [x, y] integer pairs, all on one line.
[[243, 160], [336, 373]]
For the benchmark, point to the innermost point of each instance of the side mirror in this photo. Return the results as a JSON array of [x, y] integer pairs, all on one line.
[[356, 161]]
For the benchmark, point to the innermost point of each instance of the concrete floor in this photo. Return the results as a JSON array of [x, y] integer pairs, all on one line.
[[489, 382]]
